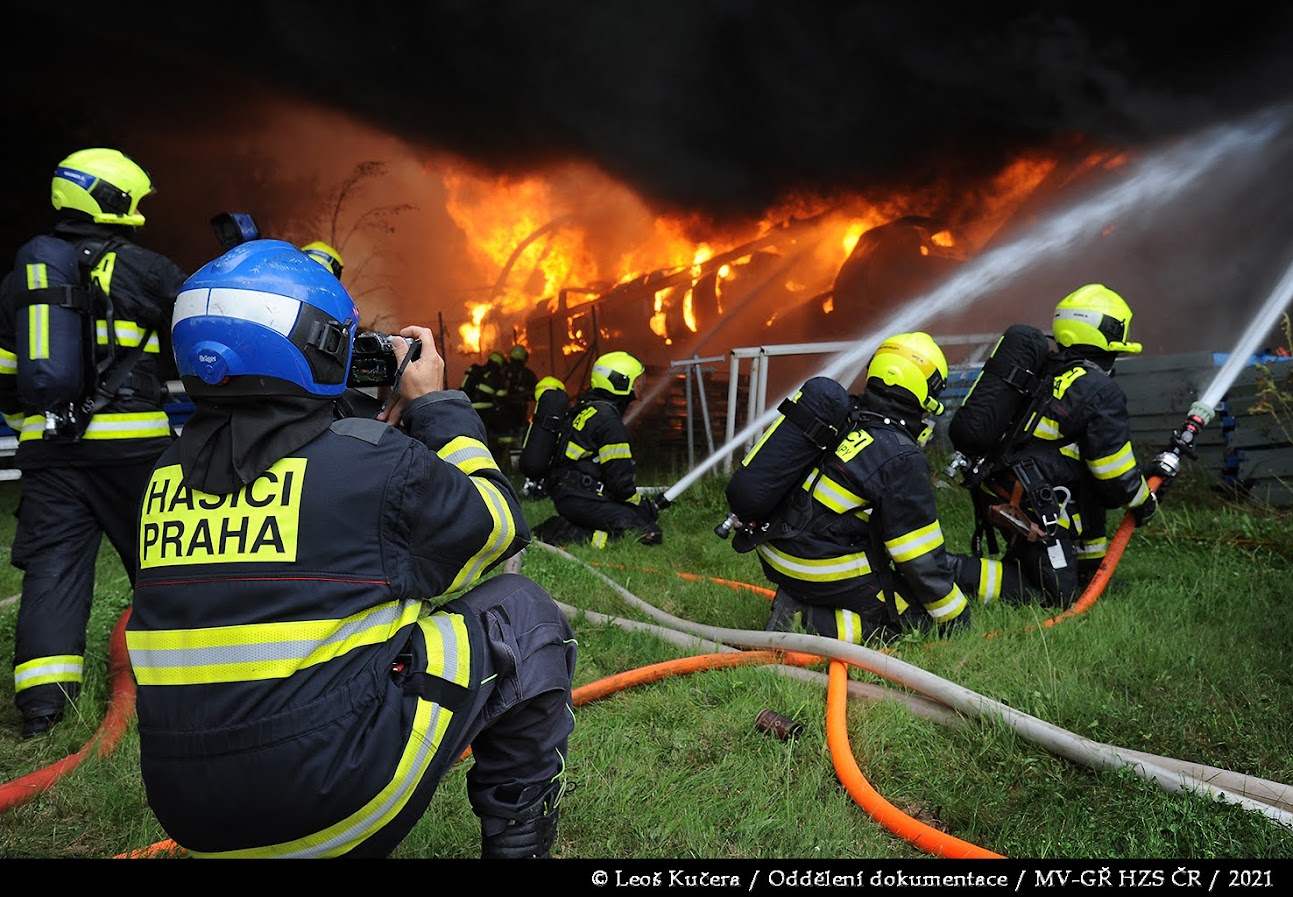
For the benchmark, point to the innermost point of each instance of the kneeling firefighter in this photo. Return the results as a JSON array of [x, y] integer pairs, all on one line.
[[838, 501], [302, 685], [593, 480], [1061, 456]]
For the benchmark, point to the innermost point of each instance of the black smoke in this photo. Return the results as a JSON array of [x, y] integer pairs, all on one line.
[[714, 107]]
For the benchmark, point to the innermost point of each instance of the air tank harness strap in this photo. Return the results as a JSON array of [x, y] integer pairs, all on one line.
[[1010, 515], [820, 432]]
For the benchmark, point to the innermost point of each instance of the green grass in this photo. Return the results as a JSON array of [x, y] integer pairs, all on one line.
[[1185, 655]]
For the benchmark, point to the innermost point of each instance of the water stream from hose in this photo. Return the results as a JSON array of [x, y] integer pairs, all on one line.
[[1251, 338], [1154, 180]]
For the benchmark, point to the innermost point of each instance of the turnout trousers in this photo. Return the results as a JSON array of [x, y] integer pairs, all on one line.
[[63, 515]]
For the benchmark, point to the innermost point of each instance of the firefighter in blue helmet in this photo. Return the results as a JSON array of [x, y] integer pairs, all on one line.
[[842, 504], [593, 477], [302, 690], [82, 384], [1078, 453]]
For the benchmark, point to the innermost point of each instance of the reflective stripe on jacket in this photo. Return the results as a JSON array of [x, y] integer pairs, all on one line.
[[271, 628]]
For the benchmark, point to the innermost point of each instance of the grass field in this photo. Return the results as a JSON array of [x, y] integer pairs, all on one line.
[[1186, 655]]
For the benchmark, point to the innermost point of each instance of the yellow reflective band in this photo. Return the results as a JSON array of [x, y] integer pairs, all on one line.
[[990, 577], [948, 607], [259, 651], [1141, 496], [618, 451], [915, 543], [37, 276], [430, 723], [500, 535], [1071, 451], [468, 455], [258, 523], [1115, 465], [1089, 551], [1047, 429], [14, 422], [47, 670], [128, 425], [845, 566], [848, 626], [106, 425], [599, 538], [38, 332], [8, 362], [127, 333], [834, 495], [766, 434]]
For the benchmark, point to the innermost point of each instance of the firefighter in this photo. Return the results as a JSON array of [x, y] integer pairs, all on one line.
[[592, 482], [326, 256], [302, 689], [1081, 451], [519, 383], [483, 384], [853, 541], [84, 481]]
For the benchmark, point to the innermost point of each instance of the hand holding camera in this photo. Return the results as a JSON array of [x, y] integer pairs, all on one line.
[[420, 370]]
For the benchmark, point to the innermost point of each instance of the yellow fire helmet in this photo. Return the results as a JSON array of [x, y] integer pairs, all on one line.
[[546, 384], [1096, 316], [912, 362], [106, 184], [325, 255], [616, 372]]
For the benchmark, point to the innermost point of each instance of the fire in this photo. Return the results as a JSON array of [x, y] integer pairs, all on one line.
[[569, 241]]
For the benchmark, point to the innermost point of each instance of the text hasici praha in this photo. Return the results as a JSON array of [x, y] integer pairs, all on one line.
[[259, 522]]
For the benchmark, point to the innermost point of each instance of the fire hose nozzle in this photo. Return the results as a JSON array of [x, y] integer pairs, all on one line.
[[724, 529]]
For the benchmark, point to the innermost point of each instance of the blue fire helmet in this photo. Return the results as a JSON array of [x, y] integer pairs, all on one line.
[[263, 319]]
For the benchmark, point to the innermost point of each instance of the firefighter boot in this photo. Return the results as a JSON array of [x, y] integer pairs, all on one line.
[[527, 834]]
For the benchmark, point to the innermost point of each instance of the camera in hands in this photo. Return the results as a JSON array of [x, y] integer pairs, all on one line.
[[373, 362]]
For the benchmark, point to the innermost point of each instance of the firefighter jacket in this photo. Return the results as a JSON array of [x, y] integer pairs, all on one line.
[[274, 629], [593, 451], [484, 385], [518, 390], [142, 286], [1082, 440], [865, 526]]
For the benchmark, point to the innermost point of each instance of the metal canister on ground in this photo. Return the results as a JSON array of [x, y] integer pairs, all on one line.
[[776, 724]]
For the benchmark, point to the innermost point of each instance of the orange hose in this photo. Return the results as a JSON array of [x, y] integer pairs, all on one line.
[[915, 832], [121, 707]]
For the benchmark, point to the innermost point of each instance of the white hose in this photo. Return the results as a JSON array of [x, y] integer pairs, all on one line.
[[1171, 776]]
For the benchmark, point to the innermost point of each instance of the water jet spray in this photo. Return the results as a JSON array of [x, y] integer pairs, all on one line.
[[1156, 179]]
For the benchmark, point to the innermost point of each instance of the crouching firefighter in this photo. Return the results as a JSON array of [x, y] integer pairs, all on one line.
[[1043, 442], [81, 382], [302, 685], [593, 480], [838, 502]]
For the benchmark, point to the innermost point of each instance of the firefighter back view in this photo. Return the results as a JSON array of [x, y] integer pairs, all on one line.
[[302, 685], [593, 481], [838, 501], [81, 383], [1048, 492]]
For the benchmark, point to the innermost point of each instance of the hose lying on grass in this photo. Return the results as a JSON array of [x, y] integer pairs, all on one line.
[[1096, 755]]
